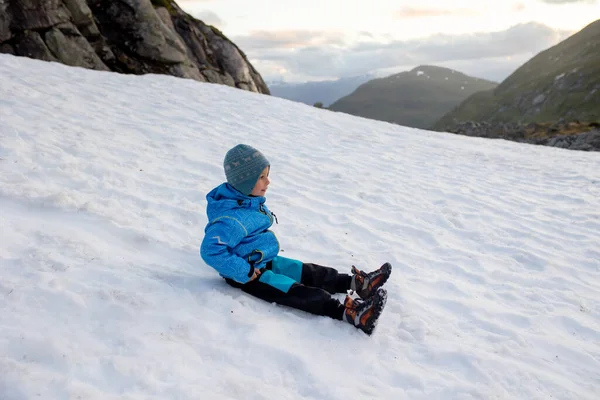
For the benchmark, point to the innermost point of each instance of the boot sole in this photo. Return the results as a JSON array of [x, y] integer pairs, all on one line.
[[388, 268], [380, 302]]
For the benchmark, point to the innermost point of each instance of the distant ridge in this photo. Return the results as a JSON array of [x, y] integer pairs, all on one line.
[[562, 82], [415, 98], [325, 92]]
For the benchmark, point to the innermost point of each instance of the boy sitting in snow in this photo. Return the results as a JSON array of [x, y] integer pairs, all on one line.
[[240, 246]]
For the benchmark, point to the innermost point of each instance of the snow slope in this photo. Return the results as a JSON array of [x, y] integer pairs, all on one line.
[[496, 286]]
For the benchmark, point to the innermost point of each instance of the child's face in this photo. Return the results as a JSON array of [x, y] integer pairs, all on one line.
[[262, 184]]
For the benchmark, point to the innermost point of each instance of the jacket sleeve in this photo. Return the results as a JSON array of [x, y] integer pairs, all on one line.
[[221, 236]]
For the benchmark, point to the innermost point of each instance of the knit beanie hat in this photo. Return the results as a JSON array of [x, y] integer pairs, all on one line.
[[243, 165]]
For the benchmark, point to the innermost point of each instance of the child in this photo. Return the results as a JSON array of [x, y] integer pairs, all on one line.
[[240, 246]]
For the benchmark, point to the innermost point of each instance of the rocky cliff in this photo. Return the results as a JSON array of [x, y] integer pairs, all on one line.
[[126, 36], [572, 135]]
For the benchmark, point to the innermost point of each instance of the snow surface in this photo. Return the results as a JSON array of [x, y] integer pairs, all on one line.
[[495, 292]]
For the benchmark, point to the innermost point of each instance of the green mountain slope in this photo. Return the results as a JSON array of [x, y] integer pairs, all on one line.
[[561, 82], [416, 98]]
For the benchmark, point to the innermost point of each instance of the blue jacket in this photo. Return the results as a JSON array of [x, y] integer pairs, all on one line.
[[237, 238]]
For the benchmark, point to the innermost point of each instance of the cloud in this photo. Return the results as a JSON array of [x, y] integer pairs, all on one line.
[[288, 39], [366, 34], [567, 1], [210, 18], [493, 68], [518, 7], [323, 55], [412, 12]]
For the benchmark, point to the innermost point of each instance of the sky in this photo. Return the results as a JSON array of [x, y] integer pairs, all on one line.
[[306, 40], [494, 294]]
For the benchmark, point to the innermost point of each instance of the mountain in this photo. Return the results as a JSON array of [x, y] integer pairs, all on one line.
[[325, 92], [104, 296], [562, 82], [415, 98], [126, 36]]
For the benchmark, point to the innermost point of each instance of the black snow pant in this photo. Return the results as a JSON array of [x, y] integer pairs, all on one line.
[[311, 292]]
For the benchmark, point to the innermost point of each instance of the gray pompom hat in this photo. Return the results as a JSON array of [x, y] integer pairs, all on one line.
[[243, 165]]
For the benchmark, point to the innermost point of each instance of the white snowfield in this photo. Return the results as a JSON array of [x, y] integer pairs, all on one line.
[[495, 292]]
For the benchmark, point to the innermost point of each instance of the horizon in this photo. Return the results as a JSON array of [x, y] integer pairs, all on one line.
[[374, 76]]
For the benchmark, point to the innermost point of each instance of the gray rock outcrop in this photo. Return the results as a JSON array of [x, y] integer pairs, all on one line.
[[572, 136], [588, 141], [126, 36]]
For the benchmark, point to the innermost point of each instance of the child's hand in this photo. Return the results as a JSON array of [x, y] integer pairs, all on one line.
[[256, 274]]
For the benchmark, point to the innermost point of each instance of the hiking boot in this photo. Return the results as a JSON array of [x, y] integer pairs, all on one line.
[[363, 314], [366, 284]]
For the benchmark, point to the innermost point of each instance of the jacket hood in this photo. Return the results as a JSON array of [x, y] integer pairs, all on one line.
[[225, 198]]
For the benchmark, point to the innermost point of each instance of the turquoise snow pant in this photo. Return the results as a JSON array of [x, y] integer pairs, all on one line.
[[304, 286]]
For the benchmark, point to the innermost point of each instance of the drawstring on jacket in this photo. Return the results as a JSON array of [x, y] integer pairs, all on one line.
[[262, 210]]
